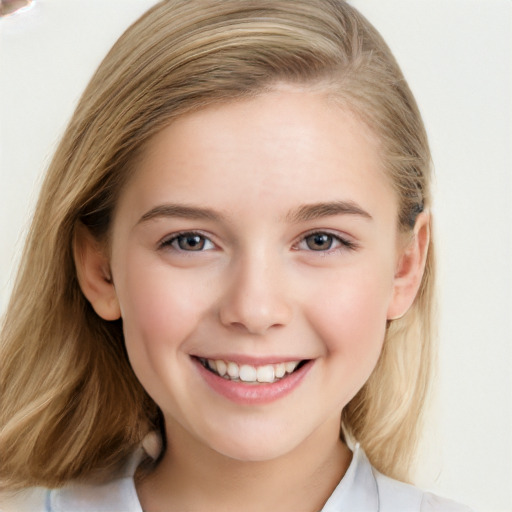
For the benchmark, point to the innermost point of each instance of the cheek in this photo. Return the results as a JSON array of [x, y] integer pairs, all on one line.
[[351, 318], [159, 308], [352, 325], [160, 312]]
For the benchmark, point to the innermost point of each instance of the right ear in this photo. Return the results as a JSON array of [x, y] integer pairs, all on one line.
[[94, 276]]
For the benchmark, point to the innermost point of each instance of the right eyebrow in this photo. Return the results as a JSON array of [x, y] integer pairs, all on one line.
[[180, 210]]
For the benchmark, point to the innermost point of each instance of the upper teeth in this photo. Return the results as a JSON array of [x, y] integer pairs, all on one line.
[[248, 373]]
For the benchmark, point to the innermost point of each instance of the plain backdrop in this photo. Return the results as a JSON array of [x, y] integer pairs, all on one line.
[[456, 55]]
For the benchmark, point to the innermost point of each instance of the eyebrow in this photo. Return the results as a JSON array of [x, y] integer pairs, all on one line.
[[303, 213], [179, 210], [315, 211]]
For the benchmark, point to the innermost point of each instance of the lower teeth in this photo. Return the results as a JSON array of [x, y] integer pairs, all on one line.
[[227, 377]]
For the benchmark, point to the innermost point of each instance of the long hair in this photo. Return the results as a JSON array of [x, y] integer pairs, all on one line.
[[71, 404]]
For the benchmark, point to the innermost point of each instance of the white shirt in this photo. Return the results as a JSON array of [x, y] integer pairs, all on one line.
[[362, 489]]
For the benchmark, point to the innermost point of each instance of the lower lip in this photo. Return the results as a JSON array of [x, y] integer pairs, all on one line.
[[251, 394]]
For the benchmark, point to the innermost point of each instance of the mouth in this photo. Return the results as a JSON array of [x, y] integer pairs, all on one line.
[[251, 374]]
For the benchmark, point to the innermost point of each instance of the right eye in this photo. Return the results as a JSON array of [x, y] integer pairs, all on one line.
[[189, 242]]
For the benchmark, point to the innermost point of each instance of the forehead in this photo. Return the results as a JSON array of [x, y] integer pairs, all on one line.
[[286, 145]]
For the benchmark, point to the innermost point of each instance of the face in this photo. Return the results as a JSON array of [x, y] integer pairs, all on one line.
[[254, 256]]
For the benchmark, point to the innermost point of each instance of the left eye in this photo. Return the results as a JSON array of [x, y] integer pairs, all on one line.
[[322, 242], [319, 242], [192, 242]]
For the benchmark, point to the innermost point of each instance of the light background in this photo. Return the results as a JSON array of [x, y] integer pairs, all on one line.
[[457, 57]]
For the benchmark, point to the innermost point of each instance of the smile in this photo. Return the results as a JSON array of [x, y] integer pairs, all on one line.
[[252, 384], [265, 374]]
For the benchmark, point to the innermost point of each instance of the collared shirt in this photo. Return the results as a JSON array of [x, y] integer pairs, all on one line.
[[362, 489]]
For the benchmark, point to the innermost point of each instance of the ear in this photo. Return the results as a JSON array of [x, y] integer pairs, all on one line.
[[93, 272], [410, 268]]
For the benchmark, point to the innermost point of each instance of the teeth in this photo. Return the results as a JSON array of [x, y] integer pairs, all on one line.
[[247, 373], [233, 370], [222, 368], [289, 367], [266, 373], [280, 370]]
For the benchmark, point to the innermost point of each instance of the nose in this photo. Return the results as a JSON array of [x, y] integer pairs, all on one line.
[[255, 299]]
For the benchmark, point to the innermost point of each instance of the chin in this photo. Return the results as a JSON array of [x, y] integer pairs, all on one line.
[[256, 448]]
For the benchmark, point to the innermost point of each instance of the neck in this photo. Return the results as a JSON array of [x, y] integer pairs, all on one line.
[[194, 477]]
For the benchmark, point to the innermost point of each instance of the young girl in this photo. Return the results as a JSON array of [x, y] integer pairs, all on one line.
[[225, 301]]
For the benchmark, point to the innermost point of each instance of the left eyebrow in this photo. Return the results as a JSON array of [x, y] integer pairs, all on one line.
[[319, 210]]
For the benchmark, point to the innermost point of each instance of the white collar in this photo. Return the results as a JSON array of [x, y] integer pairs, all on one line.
[[357, 492]]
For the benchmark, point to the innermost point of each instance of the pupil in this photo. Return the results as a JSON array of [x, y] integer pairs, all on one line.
[[191, 242], [319, 242]]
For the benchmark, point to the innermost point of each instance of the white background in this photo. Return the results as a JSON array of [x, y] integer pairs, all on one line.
[[456, 55]]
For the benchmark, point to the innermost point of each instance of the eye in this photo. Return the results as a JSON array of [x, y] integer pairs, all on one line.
[[319, 241], [323, 242], [190, 242]]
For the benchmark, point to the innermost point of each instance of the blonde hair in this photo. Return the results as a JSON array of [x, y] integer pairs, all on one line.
[[71, 404]]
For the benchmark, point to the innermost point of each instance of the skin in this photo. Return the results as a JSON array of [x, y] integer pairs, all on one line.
[[261, 287]]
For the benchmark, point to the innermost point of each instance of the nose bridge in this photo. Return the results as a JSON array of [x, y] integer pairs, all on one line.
[[256, 298]]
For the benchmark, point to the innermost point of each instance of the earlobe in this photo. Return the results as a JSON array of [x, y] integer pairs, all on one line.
[[93, 272], [410, 268]]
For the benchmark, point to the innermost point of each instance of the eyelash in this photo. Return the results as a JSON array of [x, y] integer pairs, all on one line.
[[344, 244]]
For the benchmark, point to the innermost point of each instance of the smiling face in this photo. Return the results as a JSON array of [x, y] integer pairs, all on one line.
[[255, 257]]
